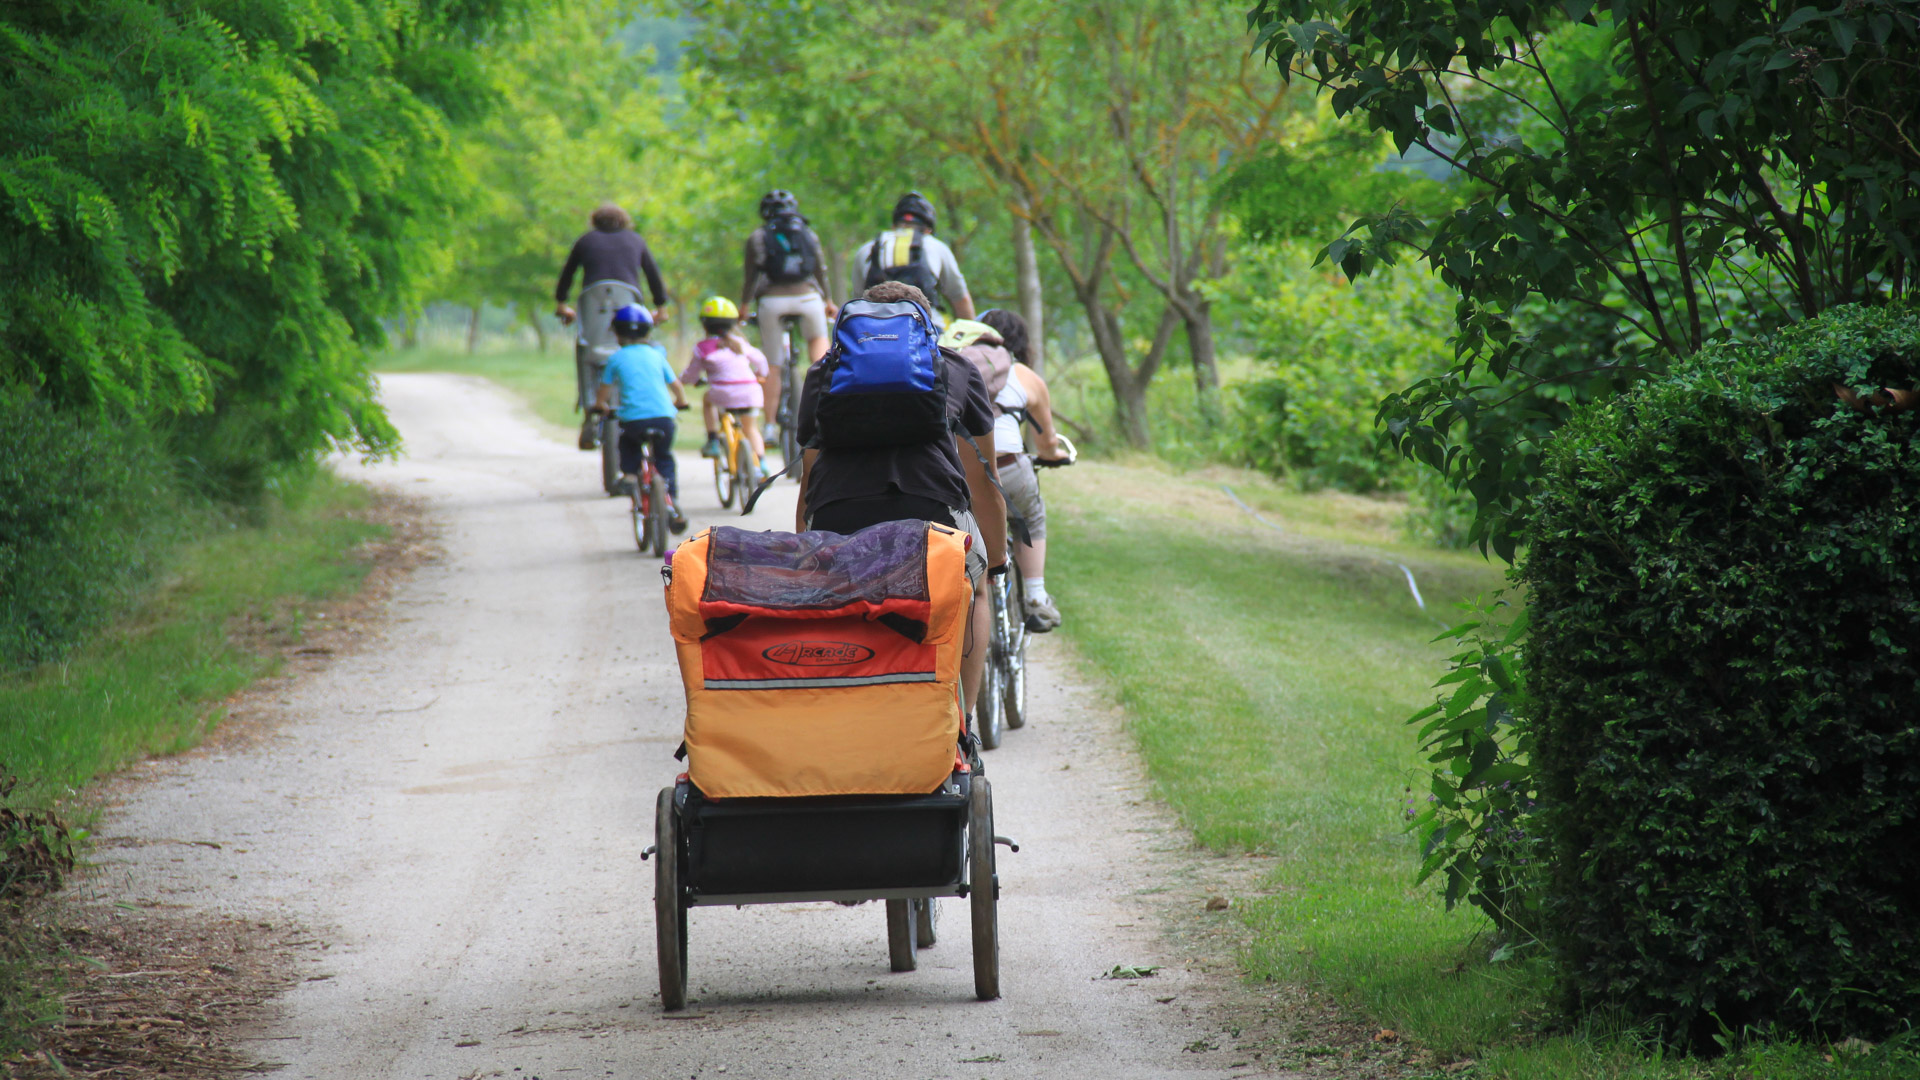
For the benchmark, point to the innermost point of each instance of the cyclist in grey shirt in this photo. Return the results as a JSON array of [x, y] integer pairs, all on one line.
[[911, 254]]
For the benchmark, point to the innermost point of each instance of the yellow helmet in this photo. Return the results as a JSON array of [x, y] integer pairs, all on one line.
[[719, 307]]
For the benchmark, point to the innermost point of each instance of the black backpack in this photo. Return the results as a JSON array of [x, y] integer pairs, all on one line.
[[790, 254], [884, 263]]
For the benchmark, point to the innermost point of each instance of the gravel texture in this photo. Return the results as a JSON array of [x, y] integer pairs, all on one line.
[[456, 811]]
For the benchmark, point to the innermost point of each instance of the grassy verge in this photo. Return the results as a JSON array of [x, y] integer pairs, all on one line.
[[150, 683], [147, 684], [1267, 674], [545, 381]]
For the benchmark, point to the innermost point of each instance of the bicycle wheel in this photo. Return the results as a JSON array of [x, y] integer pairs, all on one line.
[[724, 484], [1014, 687], [901, 935], [926, 924], [657, 514], [749, 475], [641, 524], [790, 407], [983, 891], [669, 906], [988, 718], [610, 455]]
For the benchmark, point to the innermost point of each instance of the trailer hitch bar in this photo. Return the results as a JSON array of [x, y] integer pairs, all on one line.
[[1010, 842]]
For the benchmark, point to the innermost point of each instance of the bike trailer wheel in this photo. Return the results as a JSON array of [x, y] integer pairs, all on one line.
[[902, 935], [657, 515], [669, 906], [749, 477], [983, 891]]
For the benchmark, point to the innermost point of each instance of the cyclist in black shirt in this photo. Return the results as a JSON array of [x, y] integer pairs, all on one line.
[[845, 490]]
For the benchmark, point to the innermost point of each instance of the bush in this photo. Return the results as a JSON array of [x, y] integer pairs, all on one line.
[[84, 509], [1725, 599], [1329, 351]]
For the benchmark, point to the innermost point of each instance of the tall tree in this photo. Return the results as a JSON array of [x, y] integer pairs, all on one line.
[[1723, 168], [215, 231]]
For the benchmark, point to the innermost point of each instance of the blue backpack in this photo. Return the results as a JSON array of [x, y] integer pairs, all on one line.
[[886, 383]]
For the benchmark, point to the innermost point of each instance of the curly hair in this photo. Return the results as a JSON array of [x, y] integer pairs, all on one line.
[[888, 292], [608, 217]]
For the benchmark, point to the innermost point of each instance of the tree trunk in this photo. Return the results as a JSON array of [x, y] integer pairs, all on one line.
[[1027, 278], [410, 331], [1206, 371], [532, 315], [473, 328]]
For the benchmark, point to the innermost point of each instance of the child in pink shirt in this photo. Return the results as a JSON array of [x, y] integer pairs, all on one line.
[[733, 371]]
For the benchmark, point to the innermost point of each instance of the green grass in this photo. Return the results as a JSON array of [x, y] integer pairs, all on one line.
[[545, 381], [1267, 676], [150, 683]]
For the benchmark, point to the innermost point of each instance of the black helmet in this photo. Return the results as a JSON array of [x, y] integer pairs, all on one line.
[[778, 201], [915, 206]]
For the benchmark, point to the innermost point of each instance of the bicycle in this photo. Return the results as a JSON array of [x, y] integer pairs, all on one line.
[[1003, 692], [737, 469], [786, 411], [592, 344], [650, 502]]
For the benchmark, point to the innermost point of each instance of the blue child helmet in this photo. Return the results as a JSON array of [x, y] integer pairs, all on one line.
[[631, 317]]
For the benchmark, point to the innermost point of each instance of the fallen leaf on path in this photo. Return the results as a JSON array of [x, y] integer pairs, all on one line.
[[1387, 1035], [1123, 971], [1218, 903]]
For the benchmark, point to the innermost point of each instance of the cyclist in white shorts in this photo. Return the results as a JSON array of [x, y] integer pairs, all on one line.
[[1023, 400], [785, 274]]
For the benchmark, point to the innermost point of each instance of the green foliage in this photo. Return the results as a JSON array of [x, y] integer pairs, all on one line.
[[150, 681], [1689, 171], [208, 210], [1329, 351], [86, 508], [1724, 575], [1477, 830]]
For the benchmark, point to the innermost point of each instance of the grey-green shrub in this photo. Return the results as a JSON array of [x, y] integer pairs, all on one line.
[[1724, 578], [86, 509]]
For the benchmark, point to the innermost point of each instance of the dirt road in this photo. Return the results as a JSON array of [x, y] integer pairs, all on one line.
[[457, 811]]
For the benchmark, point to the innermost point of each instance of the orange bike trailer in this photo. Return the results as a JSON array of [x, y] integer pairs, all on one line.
[[820, 664]]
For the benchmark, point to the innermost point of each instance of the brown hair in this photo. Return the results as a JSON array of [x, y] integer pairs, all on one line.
[[888, 292], [1011, 328], [608, 217]]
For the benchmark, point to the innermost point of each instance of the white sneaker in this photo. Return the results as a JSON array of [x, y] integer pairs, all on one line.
[[1042, 616]]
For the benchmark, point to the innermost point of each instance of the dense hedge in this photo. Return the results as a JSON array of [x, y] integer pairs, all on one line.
[[1725, 595], [84, 509]]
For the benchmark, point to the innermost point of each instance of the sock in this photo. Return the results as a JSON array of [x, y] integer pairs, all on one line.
[[1036, 589]]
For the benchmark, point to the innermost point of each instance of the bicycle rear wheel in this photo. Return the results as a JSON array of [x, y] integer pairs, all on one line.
[[1014, 687], [610, 455], [724, 483], [989, 717], [657, 514], [749, 475]]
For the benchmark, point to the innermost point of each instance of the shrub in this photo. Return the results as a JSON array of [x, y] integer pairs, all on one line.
[[85, 508], [1724, 588], [1476, 829]]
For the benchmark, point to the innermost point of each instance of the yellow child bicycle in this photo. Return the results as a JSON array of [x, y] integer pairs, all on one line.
[[737, 469]]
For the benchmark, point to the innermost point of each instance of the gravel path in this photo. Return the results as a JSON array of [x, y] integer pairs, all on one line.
[[457, 811]]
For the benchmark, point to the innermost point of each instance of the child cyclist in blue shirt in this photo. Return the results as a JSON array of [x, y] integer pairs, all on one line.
[[650, 393]]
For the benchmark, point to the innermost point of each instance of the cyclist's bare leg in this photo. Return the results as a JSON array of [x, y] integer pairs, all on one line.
[[973, 661], [817, 348], [1031, 557], [750, 423], [711, 415]]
